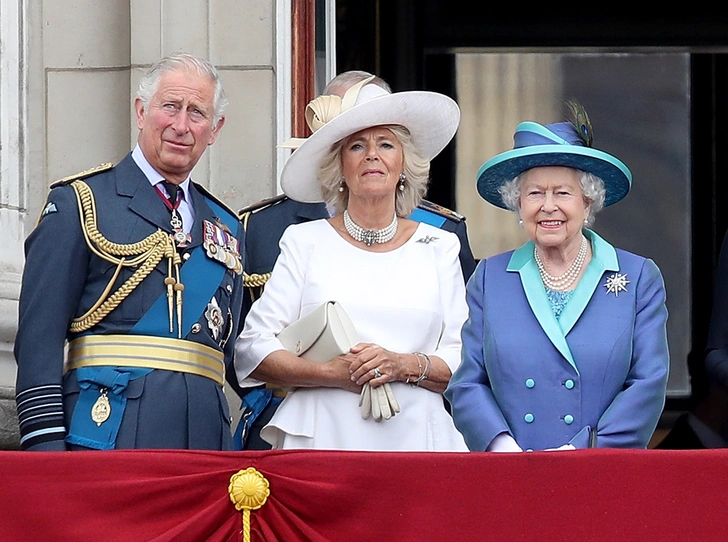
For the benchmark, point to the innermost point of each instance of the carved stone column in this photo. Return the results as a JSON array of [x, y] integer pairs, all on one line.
[[11, 209]]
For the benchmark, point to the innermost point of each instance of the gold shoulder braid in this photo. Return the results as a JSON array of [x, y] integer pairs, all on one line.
[[245, 218], [254, 280], [146, 254], [83, 174]]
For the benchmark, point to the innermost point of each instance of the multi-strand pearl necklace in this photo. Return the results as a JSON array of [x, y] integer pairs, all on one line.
[[562, 282], [370, 236]]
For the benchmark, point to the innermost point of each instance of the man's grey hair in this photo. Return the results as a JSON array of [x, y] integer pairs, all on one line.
[[149, 82], [345, 80]]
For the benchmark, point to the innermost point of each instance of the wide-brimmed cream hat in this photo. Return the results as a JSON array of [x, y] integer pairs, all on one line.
[[431, 118]]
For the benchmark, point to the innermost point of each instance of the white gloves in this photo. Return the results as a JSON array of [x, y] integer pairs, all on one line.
[[378, 402], [503, 442], [561, 448]]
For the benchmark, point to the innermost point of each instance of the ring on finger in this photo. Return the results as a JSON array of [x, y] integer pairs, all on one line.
[[377, 373]]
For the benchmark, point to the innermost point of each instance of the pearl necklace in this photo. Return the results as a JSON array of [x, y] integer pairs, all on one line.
[[370, 236], [562, 282]]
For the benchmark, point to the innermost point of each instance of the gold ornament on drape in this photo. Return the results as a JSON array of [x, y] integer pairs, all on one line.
[[248, 490]]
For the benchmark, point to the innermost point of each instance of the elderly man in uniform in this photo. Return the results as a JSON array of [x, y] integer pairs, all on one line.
[[265, 222], [137, 272]]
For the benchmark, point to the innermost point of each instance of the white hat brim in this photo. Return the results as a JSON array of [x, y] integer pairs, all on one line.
[[431, 118]]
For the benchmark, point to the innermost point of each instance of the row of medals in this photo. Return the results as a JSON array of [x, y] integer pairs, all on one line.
[[221, 252]]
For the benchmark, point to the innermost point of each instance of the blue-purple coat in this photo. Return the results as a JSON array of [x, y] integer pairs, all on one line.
[[603, 365]]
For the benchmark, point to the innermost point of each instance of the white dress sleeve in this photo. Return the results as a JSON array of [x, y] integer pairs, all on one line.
[[452, 298], [278, 306]]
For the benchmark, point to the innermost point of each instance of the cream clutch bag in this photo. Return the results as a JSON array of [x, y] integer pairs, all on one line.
[[321, 335], [328, 332]]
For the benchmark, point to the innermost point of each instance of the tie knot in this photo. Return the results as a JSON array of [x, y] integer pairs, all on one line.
[[172, 190]]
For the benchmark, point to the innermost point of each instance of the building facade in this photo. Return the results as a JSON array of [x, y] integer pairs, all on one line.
[[68, 76]]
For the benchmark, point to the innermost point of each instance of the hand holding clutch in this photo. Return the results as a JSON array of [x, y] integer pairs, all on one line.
[[380, 402]]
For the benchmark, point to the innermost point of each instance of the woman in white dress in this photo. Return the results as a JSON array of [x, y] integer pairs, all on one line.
[[399, 281]]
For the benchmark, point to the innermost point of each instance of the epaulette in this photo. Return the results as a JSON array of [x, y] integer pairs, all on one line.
[[217, 200], [83, 174], [267, 202], [440, 210]]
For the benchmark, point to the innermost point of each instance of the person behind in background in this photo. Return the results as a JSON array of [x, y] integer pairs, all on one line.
[[137, 270], [565, 345], [707, 426], [264, 224], [400, 281]]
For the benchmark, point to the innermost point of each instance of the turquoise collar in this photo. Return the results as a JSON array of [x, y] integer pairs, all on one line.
[[604, 258]]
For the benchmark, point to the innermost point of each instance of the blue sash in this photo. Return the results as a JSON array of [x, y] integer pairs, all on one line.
[[255, 401], [201, 276], [433, 219], [84, 431]]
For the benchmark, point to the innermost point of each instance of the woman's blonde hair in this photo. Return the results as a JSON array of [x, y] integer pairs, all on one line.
[[415, 168]]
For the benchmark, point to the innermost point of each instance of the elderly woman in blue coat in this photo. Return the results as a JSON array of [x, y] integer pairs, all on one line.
[[565, 346]]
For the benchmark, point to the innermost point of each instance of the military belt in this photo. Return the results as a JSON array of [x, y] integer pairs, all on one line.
[[277, 391], [147, 352]]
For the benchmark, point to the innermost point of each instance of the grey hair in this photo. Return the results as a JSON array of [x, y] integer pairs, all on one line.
[[149, 83], [345, 80], [592, 189], [416, 171]]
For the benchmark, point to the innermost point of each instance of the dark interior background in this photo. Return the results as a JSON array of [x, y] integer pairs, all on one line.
[[410, 43]]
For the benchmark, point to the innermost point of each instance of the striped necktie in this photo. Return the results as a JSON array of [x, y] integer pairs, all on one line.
[[172, 190]]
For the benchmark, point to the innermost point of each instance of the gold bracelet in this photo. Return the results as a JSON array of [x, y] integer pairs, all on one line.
[[419, 367], [423, 372]]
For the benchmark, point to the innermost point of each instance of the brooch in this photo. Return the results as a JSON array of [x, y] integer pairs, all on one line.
[[616, 283], [214, 317], [427, 239]]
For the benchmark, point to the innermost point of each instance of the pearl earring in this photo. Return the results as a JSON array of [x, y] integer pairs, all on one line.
[[341, 185], [520, 222], [402, 179]]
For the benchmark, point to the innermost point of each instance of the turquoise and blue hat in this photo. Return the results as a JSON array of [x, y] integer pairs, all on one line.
[[558, 144]]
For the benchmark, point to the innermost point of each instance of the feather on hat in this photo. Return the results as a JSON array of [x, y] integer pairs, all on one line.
[[561, 144]]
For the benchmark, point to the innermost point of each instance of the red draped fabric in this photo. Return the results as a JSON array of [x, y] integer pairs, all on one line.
[[614, 495]]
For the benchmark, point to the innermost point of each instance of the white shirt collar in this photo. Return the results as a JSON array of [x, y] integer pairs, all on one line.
[[153, 175]]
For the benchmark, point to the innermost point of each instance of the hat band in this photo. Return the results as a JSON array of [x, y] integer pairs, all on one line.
[[529, 134]]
